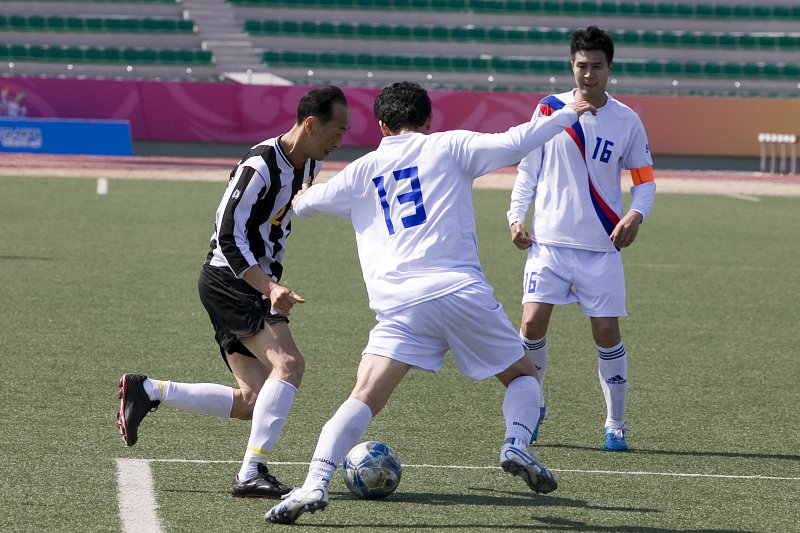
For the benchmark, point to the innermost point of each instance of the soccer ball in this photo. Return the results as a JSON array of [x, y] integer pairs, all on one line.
[[371, 470]]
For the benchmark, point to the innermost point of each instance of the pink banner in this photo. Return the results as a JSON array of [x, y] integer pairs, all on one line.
[[235, 113]]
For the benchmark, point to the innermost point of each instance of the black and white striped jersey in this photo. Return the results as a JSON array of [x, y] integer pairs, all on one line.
[[254, 217]]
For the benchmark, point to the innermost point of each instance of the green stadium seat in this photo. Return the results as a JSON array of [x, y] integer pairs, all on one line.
[[308, 28], [767, 41], [440, 63], [4, 52], [74, 54], [654, 68], [421, 33], [459, 33], [253, 27], [37, 52], [712, 69], [37, 23], [746, 41], [769, 70], [670, 39], [743, 11], [403, 62], [609, 9], [365, 60], [704, 11], [459, 63], [365, 30], [726, 40], [290, 27], [18, 51], [422, 62], [684, 10], [762, 12], [650, 38], [518, 35], [673, 68], [707, 40], [56, 23], [497, 34], [75, 24], [664, 9], [271, 57], [479, 64], [18, 23], [56, 54], [791, 70], [168, 56], [328, 59], [327, 29], [732, 69], [384, 61], [692, 68], [346, 60], [94, 24], [634, 68]]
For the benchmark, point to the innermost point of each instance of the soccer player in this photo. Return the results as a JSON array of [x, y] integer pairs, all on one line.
[[578, 226], [410, 204], [248, 307]]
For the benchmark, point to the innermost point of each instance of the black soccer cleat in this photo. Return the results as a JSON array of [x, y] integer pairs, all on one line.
[[262, 485], [133, 406]]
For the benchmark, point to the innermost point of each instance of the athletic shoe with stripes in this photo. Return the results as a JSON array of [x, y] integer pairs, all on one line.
[[520, 463], [615, 438], [305, 499], [134, 404], [262, 485]]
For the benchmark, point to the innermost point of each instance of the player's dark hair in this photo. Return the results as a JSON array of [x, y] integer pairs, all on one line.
[[592, 38], [319, 103], [403, 105]]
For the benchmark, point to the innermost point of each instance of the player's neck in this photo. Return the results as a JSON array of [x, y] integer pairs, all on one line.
[[290, 145], [597, 101]]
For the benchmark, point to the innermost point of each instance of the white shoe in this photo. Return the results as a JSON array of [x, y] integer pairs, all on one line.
[[520, 463], [305, 499]]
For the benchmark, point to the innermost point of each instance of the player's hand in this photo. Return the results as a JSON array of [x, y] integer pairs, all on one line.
[[520, 236], [626, 230], [582, 107], [283, 299], [300, 193]]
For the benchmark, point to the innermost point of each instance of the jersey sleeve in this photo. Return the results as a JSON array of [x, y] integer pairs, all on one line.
[[524, 191], [233, 217], [479, 153], [333, 197], [640, 163]]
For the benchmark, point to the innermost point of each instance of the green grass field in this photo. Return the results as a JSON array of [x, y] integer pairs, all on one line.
[[93, 286]]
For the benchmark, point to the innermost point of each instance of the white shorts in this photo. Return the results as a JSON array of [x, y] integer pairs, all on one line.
[[469, 322], [560, 275]]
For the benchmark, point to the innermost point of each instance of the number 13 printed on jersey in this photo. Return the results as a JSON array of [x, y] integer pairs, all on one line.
[[415, 196]]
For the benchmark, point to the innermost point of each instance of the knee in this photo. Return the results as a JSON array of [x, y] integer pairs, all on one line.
[[290, 368], [606, 336]]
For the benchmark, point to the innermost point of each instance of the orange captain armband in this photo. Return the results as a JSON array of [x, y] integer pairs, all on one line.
[[642, 175]]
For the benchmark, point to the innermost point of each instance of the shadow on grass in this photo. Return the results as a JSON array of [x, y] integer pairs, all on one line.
[[645, 451]]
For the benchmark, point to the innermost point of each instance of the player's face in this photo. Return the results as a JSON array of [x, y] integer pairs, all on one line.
[[591, 70], [328, 135]]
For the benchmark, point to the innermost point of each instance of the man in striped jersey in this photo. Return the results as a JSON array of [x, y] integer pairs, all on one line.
[[248, 307], [410, 204], [579, 227]]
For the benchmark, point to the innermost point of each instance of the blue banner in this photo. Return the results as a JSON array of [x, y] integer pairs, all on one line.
[[66, 136]]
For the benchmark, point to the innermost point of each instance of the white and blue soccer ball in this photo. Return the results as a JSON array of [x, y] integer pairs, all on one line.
[[371, 470]]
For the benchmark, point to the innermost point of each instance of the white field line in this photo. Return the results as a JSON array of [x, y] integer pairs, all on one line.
[[468, 467], [745, 197], [136, 497], [138, 509]]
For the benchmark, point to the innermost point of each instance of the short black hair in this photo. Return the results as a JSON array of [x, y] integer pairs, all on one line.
[[402, 105], [319, 103], [592, 38]]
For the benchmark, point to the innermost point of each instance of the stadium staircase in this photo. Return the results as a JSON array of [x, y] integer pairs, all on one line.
[[233, 49]]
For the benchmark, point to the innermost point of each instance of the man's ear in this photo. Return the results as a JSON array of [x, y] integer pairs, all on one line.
[[428, 122], [384, 129]]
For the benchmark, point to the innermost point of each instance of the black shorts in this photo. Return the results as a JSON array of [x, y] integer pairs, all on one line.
[[235, 308]]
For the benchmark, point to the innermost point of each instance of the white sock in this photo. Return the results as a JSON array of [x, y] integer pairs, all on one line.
[[269, 414], [521, 410], [338, 436], [613, 371], [204, 398], [537, 350]]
